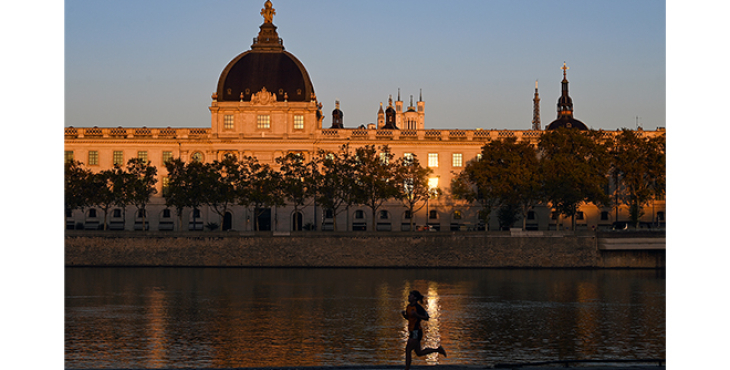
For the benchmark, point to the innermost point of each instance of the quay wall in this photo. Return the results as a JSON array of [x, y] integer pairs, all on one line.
[[462, 250]]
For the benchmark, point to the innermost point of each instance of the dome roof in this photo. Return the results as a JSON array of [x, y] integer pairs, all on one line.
[[267, 66], [567, 122], [279, 72]]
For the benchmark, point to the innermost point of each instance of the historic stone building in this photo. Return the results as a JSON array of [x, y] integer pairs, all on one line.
[[265, 106]]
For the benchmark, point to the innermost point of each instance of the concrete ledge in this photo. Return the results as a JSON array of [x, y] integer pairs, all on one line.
[[632, 243]]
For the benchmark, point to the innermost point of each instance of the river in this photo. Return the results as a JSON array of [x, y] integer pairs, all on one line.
[[247, 317]]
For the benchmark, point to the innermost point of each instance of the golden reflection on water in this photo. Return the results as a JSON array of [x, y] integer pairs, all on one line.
[[227, 318], [156, 329]]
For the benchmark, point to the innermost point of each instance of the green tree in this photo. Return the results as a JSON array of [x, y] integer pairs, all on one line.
[[107, 190], [334, 181], [76, 186], [474, 184], [296, 181], [220, 179], [184, 188], [259, 187], [574, 166], [639, 170], [414, 184], [376, 177], [513, 173], [140, 185]]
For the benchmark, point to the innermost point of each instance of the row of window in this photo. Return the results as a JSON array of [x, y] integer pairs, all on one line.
[[118, 157], [457, 159], [262, 121]]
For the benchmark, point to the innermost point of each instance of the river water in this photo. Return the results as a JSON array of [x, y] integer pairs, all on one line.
[[230, 317]]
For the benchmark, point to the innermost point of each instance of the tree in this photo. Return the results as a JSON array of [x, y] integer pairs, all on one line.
[[376, 177], [334, 181], [414, 184], [107, 189], [639, 170], [76, 186], [220, 178], [575, 167], [296, 181], [140, 185], [512, 172], [259, 187], [184, 187]]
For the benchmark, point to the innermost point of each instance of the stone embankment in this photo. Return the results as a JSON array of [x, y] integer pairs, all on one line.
[[404, 250]]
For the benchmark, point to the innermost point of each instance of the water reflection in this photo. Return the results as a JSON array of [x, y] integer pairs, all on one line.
[[218, 318]]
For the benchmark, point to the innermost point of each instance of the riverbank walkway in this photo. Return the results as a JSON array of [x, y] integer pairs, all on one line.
[[535, 366]]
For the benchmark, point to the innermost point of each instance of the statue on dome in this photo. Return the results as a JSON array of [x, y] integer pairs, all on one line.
[[268, 12]]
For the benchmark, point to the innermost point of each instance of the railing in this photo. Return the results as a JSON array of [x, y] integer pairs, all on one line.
[[117, 132], [331, 134]]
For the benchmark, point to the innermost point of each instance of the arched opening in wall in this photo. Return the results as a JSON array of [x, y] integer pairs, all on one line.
[[70, 224], [166, 221], [532, 223], [433, 220], [139, 217], [116, 221], [359, 223], [296, 221], [195, 221], [456, 224], [383, 221], [263, 219], [227, 221], [329, 220], [91, 221], [405, 224]]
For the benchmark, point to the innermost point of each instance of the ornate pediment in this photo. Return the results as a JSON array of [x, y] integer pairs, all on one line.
[[263, 97]]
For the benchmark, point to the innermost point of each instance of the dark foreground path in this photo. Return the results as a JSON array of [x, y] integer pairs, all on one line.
[[627, 366]]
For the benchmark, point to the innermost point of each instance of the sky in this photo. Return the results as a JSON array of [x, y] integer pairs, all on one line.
[[156, 63]]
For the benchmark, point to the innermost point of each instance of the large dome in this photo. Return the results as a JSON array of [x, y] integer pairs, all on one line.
[[279, 72], [268, 66]]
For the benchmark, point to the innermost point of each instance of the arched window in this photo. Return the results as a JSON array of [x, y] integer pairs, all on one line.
[[383, 215], [432, 214], [359, 214]]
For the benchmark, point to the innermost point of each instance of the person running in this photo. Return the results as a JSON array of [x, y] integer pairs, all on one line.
[[414, 313]]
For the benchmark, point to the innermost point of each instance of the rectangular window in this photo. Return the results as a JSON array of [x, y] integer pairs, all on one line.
[[456, 160], [68, 156], [228, 122], [298, 122], [433, 159], [118, 158], [383, 158], [604, 216], [93, 157], [263, 121], [142, 155], [165, 185], [166, 157], [408, 158]]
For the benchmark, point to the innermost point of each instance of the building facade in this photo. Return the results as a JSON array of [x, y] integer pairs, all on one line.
[[265, 106]]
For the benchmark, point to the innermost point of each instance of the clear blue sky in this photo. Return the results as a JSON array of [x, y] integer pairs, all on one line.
[[156, 63]]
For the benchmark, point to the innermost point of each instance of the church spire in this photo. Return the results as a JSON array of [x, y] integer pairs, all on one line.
[[565, 103], [536, 110]]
